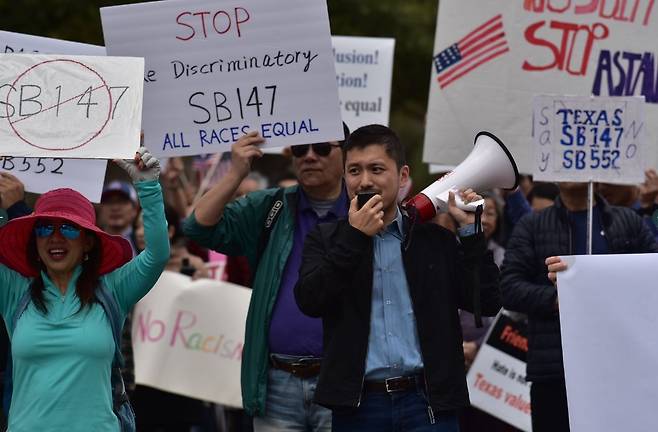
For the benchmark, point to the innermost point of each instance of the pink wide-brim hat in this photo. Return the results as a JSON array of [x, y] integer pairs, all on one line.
[[64, 204]]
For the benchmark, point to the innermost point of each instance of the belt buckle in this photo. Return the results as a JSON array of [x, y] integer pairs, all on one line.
[[302, 362], [386, 384]]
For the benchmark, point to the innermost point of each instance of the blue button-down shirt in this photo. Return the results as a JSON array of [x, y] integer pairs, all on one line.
[[393, 348]]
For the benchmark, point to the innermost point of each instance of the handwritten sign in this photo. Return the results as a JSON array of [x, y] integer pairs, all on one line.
[[218, 69], [608, 327], [70, 106], [40, 175], [496, 379], [14, 43], [364, 71], [188, 337], [491, 58], [589, 139]]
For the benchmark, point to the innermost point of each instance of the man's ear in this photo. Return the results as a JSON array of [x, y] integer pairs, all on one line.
[[404, 176]]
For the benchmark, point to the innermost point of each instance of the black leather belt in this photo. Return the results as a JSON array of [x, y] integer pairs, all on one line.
[[395, 384], [302, 368]]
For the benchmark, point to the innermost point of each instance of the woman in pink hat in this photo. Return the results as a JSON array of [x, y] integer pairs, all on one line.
[[62, 343]]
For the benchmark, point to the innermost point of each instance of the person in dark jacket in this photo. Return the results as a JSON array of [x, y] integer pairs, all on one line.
[[388, 291], [525, 285]]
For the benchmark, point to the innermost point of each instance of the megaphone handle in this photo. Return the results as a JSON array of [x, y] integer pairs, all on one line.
[[470, 207]]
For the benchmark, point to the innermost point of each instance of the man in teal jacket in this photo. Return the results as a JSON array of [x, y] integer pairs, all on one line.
[[283, 347]]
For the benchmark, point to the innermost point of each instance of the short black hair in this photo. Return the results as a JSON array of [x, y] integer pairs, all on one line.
[[544, 190], [346, 135], [379, 135]]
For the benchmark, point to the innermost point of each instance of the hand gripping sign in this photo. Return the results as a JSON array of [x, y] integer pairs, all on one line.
[[70, 106]]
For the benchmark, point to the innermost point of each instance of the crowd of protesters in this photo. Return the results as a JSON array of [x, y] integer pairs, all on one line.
[[357, 261]]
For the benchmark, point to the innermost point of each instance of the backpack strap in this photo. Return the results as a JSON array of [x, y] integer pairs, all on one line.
[[111, 307], [8, 384], [268, 224]]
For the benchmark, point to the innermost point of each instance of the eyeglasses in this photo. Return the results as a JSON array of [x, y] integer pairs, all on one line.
[[68, 231], [320, 149]]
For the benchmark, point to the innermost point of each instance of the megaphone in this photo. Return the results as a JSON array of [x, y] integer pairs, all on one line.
[[489, 165]]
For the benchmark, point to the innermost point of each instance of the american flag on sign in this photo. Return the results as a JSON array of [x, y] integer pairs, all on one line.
[[483, 44]]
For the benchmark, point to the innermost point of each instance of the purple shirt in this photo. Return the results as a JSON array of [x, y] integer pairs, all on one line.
[[292, 332]]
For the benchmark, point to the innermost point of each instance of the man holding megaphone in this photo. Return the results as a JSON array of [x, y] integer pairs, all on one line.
[[388, 289]]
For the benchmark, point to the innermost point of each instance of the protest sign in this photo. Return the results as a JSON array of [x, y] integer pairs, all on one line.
[[70, 106], [496, 379], [40, 175], [491, 58], [217, 69], [364, 70], [188, 337], [608, 325], [11, 43], [586, 139]]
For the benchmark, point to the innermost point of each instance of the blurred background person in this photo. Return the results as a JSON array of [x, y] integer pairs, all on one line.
[[118, 209], [158, 410], [542, 195], [557, 230]]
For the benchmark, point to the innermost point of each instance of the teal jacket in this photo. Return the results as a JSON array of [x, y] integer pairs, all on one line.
[[238, 233]]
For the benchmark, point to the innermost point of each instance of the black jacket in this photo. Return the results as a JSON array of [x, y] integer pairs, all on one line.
[[335, 283], [524, 279]]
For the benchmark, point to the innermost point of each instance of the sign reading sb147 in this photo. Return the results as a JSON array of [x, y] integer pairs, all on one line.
[[70, 106], [586, 139]]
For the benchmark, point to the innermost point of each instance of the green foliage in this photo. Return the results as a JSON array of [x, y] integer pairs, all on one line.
[[410, 22]]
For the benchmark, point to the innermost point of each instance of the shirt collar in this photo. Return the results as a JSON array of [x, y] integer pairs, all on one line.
[[396, 227], [339, 209], [52, 289]]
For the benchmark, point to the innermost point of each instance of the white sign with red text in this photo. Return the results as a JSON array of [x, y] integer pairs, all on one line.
[[492, 57], [496, 379], [40, 175], [65, 106], [188, 337], [216, 69]]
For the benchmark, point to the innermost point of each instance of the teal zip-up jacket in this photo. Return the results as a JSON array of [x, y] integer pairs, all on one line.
[[238, 233], [62, 360]]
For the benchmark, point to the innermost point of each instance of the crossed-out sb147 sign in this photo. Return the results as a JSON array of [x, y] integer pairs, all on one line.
[[70, 106]]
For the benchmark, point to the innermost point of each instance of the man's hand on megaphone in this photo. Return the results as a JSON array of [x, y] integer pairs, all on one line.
[[369, 219], [463, 218]]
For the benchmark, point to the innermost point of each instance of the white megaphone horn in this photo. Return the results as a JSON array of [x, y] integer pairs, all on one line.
[[490, 165]]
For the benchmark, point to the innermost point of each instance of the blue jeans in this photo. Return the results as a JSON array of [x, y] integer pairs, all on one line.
[[393, 412], [290, 407]]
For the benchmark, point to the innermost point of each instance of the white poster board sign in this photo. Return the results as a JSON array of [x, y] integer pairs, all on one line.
[[188, 337], [217, 69], [42, 175], [11, 43], [492, 57], [70, 106], [364, 71], [496, 379], [585, 139], [608, 321]]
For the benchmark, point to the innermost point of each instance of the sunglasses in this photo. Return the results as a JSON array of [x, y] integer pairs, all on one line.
[[320, 149], [68, 231]]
